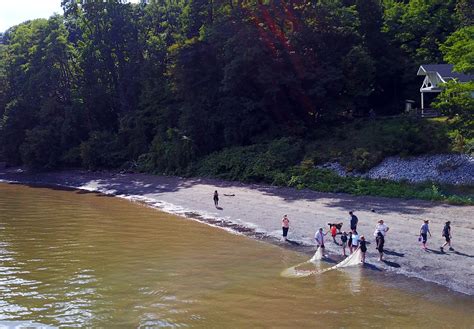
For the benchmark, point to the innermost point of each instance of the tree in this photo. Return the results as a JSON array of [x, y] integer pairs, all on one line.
[[418, 26], [112, 82], [415, 29], [459, 49], [465, 12], [456, 100], [39, 79]]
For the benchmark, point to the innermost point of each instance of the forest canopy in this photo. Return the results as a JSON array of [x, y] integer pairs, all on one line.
[[112, 83]]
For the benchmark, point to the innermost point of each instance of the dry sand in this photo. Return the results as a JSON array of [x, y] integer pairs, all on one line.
[[256, 211]]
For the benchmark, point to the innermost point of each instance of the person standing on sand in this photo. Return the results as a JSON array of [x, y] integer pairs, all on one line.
[[380, 240], [447, 236], [355, 240], [424, 230], [319, 237], [381, 227], [333, 233], [344, 242], [349, 242], [285, 226], [363, 249], [216, 199], [354, 221]]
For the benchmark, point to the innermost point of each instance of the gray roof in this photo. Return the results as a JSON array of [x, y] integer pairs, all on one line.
[[446, 72]]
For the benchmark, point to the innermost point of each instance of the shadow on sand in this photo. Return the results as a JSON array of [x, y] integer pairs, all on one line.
[[393, 253], [130, 183], [463, 254], [391, 264], [434, 251]]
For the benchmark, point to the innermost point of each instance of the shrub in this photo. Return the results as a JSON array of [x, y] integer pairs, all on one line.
[[458, 142], [101, 150], [469, 148], [362, 160], [171, 153], [257, 163], [41, 148]]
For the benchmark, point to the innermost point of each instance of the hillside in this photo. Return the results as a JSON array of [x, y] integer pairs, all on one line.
[[242, 90], [356, 146]]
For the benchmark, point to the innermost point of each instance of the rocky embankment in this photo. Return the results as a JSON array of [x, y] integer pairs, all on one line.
[[456, 169]]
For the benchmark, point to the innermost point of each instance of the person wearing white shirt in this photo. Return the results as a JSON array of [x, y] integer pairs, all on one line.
[[319, 238], [355, 240], [381, 227]]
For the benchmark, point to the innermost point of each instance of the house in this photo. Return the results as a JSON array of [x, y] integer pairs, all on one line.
[[435, 75]]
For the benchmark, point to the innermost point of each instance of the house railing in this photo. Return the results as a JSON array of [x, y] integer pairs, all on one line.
[[424, 113], [430, 113]]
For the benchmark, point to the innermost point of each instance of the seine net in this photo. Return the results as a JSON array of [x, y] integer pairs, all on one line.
[[297, 271]]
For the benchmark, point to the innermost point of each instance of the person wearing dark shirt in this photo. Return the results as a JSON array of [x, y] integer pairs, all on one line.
[[349, 242], [216, 199], [380, 240], [354, 221], [344, 242], [363, 248], [447, 236]]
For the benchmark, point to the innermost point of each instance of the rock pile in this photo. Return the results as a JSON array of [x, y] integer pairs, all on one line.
[[456, 169]]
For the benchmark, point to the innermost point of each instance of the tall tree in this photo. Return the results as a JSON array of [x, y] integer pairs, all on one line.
[[40, 77]]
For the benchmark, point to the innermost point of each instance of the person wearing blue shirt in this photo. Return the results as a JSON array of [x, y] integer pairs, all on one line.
[[424, 231]]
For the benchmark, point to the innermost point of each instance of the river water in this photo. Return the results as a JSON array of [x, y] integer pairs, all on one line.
[[74, 259]]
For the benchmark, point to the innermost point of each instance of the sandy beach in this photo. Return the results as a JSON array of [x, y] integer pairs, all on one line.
[[256, 211]]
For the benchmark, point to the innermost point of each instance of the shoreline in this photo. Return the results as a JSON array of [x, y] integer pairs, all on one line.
[[256, 210]]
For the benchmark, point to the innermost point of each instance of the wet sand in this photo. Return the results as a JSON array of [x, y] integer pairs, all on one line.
[[256, 211]]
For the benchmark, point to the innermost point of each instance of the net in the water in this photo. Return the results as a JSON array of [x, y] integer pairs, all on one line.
[[295, 271], [351, 260], [318, 255]]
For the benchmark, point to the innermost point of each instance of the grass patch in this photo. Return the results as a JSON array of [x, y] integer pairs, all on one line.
[[327, 181]]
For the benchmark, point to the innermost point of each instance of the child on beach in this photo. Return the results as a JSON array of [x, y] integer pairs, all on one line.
[[333, 233], [424, 230], [216, 199], [285, 225], [363, 248], [344, 242]]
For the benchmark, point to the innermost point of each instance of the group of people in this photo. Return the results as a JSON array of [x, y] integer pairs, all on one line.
[[353, 241], [425, 230]]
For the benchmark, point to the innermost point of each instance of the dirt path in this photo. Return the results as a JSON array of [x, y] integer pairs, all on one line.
[[256, 211]]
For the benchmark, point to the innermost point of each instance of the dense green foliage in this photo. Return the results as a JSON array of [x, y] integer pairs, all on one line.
[[457, 99], [165, 87], [279, 164], [459, 49], [290, 162], [358, 146]]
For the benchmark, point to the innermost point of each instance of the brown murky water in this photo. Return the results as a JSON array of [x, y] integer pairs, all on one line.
[[72, 259]]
